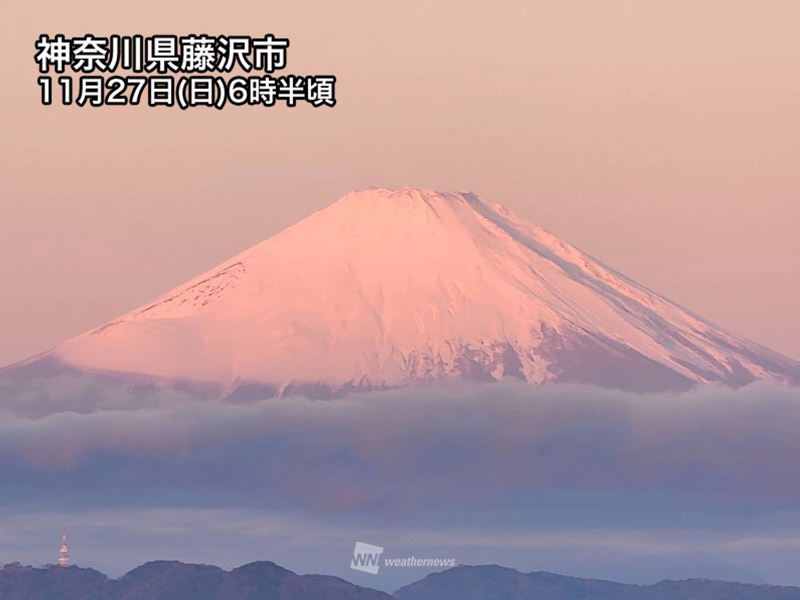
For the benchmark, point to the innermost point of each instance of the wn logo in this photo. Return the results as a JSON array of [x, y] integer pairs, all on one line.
[[366, 558]]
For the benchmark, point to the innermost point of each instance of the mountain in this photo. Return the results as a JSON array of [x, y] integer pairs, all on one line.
[[499, 583], [389, 288], [172, 580]]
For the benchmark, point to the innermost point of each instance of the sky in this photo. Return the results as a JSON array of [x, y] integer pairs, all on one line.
[[662, 138]]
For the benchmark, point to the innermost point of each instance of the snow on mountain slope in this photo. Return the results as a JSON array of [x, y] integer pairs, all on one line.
[[388, 288]]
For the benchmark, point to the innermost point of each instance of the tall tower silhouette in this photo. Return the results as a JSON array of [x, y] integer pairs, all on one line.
[[63, 555]]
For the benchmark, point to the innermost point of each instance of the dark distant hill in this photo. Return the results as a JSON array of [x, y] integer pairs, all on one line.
[[169, 580], [499, 583], [52, 583]]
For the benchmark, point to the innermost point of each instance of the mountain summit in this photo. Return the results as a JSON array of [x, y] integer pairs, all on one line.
[[388, 288]]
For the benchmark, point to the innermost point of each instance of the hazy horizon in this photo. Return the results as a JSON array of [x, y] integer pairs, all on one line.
[[572, 479]]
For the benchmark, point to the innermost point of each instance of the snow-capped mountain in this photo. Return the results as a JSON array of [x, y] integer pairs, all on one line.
[[388, 288]]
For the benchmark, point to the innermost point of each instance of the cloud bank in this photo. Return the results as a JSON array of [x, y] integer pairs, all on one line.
[[446, 442]]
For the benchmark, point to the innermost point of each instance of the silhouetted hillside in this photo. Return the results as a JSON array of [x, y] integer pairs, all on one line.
[[499, 583], [52, 583], [170, 580]]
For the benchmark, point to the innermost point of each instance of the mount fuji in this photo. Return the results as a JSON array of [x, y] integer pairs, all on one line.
[[390, 288]]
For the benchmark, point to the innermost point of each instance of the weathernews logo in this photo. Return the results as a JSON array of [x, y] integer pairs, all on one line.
[[367, 558]]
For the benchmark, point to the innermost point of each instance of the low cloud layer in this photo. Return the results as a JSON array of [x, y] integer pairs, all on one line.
[[454, 442]]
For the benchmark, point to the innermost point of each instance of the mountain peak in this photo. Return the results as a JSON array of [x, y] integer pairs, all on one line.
[[402, 207], [388, 288], [409, 194]]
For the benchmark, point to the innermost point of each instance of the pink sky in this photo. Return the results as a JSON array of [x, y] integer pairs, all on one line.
[[662, 138]]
